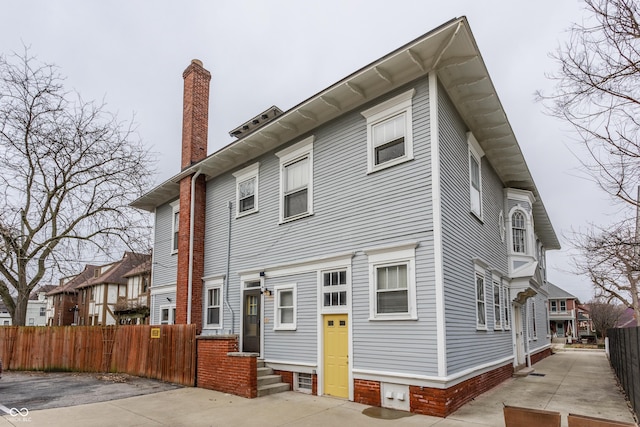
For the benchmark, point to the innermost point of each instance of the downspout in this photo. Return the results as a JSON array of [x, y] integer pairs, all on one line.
[[226, 276], [191, 227]]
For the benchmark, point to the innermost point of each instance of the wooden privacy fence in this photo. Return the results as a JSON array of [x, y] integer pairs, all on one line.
[[624, 354], [168, 356]]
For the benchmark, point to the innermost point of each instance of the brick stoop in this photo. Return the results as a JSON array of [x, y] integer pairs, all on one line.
[[268, 382]]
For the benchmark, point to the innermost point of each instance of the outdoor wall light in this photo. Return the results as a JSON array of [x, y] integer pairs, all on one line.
[[266, 292]]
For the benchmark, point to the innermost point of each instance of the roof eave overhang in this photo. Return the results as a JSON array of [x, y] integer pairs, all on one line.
[[450, 51]]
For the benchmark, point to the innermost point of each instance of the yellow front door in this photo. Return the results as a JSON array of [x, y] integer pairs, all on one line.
[[336, 355]]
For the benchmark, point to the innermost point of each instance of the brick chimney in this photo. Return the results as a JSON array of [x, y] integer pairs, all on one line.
[[194, 148]]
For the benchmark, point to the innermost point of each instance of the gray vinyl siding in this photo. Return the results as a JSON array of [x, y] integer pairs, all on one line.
[[299, 345], [353, 211], [542, 339], [464, 238], [164, 262]]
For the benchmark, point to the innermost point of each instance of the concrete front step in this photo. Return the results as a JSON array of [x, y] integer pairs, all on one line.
[[272, 389], [264, 371], [523, 372], [268, 382], [269, 379]]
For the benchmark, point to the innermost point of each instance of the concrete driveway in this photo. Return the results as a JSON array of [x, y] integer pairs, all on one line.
[[577, 382]]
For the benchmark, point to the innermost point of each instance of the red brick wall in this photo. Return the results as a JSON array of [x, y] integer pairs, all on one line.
[[535, 358], [366, 392], [287, 377], [443, 402], [195, 113], [217, 370], [195, 122]]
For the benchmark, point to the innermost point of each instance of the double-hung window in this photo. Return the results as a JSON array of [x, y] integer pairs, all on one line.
[[519, 232], [497, 309], [167, 315], [505, 307], [213, 304], [389, 132], [563, 305], [475, 174], [247, 190], [392, 283], [285, 307], [534, 328], [554, 305], [175, 225], [481, 310], [296, 180]]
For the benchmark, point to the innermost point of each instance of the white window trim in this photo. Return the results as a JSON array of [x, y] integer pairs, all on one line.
[[277, 325], [175, 209], [171, 319], [506, 311], [296, 383], [528, 234], [501, 225], [497, 322], [290, 155], [480, 271], [399, 104], [335, 309], [405, 254], [476, 151], [212, 284], [250, 172], [534, 327]]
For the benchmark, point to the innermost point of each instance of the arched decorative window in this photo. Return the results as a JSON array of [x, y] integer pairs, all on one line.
[[519, 232]]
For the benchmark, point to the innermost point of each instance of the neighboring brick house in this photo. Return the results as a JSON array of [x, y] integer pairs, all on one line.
[[62, 301], [563, 313], [99, 294], [382, 241]]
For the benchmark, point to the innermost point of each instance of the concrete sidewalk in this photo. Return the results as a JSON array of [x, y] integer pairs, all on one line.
[[577, 382]]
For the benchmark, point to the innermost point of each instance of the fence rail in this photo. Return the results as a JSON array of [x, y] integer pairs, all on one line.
[[624, 354], [125, 349]]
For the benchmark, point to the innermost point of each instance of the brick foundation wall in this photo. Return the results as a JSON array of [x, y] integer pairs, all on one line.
[[366, 392], [443, 402], [287, 377], [220, 367], [535, 358]]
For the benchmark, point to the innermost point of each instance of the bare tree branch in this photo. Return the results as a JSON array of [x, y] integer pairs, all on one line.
[[68, 171]]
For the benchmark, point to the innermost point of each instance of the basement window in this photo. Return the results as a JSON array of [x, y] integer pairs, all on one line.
[[303, 382]]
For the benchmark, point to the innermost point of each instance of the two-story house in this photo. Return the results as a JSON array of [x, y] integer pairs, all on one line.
[[37, 306], [62, 301], [99, 295], [563, 313], [382, 241], [134, 309]]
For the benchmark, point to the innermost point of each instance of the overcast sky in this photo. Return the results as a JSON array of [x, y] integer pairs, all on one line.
[[132, 55]]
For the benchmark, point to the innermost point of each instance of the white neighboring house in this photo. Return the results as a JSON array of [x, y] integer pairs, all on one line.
[[5, 317], [37, 307]]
